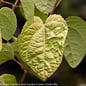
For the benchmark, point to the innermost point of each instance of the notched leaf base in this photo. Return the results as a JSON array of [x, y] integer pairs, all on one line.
[[41, 45]]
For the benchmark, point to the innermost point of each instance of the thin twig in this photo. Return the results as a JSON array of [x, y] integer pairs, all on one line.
[[14, 5], [5, 2], [55, 5], [19, 64], [9, 3], [24, 71], [23, 77]]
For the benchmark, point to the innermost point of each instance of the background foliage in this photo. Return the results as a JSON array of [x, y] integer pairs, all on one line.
[[75, 76]]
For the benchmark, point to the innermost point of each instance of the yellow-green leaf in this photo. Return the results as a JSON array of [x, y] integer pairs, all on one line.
[[41, 45], [8, 80]]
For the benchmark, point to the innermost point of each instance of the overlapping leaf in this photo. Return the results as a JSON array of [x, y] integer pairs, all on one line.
[[40, 14], [28, 8], [14, 45], [46, 6], [8, 23], [75, 47], [41, 45], [8, 80], [0, 41], [6, 53]]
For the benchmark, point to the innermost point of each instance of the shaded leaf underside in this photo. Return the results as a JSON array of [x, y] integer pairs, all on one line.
[[76, 41]]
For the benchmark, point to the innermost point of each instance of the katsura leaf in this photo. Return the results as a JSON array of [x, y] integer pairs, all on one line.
[[46, 6], [41, 45], [8, 80], [7, 53], [28, 9], [75, 46], [0, 41], [8, 23]]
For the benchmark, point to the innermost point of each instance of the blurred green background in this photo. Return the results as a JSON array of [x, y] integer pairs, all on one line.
[[72, 8], [64, 76]]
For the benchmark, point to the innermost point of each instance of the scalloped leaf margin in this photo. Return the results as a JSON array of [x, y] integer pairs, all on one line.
[[41, 45]]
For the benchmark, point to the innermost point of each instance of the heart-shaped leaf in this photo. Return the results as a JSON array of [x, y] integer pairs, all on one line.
[[41, 45], [8, 80], [8, 23]]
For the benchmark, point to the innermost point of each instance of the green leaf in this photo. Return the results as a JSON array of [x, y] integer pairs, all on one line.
[[75, 46], [41, 45], [46, 6], [40, 14], [15, 48], [6, 53], [8, 80], [0, 41], [28, 8], [8, 23]]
